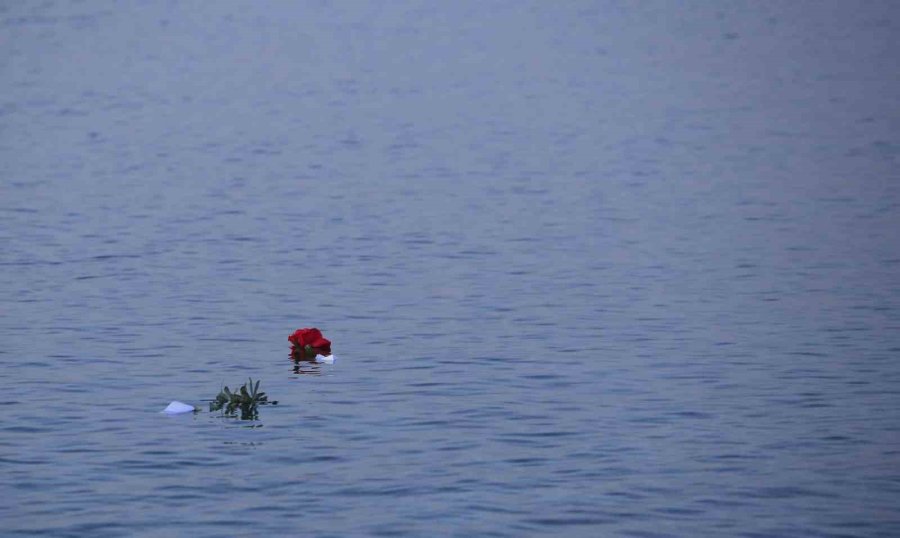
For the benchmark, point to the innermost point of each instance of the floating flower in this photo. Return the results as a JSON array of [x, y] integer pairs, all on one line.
[[309, 342]]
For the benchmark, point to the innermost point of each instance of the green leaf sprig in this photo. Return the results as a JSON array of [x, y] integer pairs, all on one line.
[[246, 399]]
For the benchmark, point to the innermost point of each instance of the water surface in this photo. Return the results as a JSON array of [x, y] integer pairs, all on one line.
[[601, 269]]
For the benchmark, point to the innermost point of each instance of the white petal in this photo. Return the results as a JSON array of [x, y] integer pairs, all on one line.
[[177, 408], [325, 360]]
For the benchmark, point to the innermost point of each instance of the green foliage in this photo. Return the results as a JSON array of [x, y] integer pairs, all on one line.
[[246, 400]]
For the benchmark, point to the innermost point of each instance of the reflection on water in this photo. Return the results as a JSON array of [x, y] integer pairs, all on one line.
[[306, 367]]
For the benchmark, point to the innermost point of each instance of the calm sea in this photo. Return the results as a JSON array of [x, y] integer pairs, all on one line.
[[590, 268]]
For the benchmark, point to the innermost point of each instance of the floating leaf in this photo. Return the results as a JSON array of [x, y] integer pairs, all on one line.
[[247, 398]]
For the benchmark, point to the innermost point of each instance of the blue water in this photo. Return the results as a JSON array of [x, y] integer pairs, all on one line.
[[590, 269]]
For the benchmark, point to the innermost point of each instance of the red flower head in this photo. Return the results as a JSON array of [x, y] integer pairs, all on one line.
[[310, 337]]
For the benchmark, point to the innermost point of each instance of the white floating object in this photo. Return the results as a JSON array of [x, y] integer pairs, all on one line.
[[325, 360], [177, 408]]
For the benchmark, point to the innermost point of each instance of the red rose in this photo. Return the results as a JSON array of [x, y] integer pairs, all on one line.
[[310, 337]]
